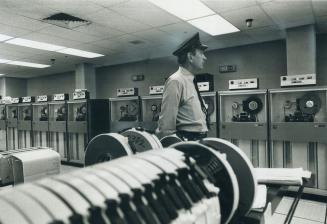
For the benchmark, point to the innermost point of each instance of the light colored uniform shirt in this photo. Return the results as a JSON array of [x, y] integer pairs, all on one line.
[[181, 108]]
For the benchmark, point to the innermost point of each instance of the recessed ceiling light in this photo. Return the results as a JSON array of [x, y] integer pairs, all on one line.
[[214, 25], [4, 37], [184, 9], [34, 44], [28, 64], [80, 53]]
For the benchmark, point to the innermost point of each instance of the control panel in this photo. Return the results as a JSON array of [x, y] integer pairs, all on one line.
[[28, 99], [42, 98], [15, 100], [298, 80], [243, 84], [127, 92], [81, 94], [60, 97], [156, 90], [203, 86]]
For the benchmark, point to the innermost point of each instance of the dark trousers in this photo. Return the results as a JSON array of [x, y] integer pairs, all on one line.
[[191, 136]]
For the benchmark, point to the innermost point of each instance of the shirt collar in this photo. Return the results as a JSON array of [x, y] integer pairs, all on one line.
[[187, 74]]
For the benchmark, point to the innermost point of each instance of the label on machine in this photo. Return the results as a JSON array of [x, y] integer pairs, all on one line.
[[60, 97], [156, 90], [28, 99], [127, 92], [81, 94], [298, 80], [243, 84], [203, 86], [43, 98]]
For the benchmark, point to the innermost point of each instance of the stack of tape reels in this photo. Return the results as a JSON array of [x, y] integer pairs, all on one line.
[[133, 179]]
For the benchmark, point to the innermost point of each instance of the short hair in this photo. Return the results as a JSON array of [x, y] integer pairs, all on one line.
[[182, 58]]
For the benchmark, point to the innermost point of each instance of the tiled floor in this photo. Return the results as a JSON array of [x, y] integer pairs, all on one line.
[[307, 212]]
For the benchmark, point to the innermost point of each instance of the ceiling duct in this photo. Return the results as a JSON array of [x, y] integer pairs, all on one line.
[[66, 21]]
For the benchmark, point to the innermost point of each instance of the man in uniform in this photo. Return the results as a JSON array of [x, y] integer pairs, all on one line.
[[183, 111]]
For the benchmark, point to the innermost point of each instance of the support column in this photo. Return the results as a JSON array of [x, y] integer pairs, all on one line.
[[85, 78], [301, 50]]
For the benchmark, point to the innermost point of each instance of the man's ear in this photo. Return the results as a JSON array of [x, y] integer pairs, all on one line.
[[190, 56]]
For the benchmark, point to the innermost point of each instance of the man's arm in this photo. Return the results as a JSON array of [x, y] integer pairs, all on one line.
[[169, 108]]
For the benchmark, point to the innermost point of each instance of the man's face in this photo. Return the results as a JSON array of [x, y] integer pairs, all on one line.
[[198, 59]]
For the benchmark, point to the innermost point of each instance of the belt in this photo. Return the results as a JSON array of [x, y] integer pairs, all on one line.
[[191, 136]]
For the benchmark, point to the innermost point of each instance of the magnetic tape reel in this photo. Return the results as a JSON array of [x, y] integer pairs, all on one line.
[[129, 112], [170, 140], [106, 147], [243, 170], [44, 113], [251, 107], [219, 172], [306, 108]]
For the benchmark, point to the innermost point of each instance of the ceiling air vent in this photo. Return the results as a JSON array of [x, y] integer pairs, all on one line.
[[66, 21]]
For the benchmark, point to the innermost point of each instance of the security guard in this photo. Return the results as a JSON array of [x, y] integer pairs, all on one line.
[[183, 111]]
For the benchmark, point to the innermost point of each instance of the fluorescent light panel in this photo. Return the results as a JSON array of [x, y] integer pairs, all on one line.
[[197, 14], [184, 9], [4, 37], [2, 74], [80, 53], [34, 44], [52, 47], [214, 25], [23, 63], [28, 64], [4, 61]]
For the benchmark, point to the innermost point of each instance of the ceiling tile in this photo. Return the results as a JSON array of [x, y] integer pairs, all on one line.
[[99, 30], [266, 34], [150, 14], [76, 36], [238, 17], [288, 14], [184, 30], [157, 37], [33, 9], [319, 7], [10, 18], [220, 6], [109, 3], [13, 31], [78, 8], [229, 40], [94, 48], [114, 20], [123, 43], [50, 39]]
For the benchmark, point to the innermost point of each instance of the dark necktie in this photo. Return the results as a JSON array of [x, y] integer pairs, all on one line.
[[204, 109]]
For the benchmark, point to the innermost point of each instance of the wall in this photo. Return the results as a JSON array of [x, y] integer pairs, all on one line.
[[58, 83], [267, 61], [15, 87]]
